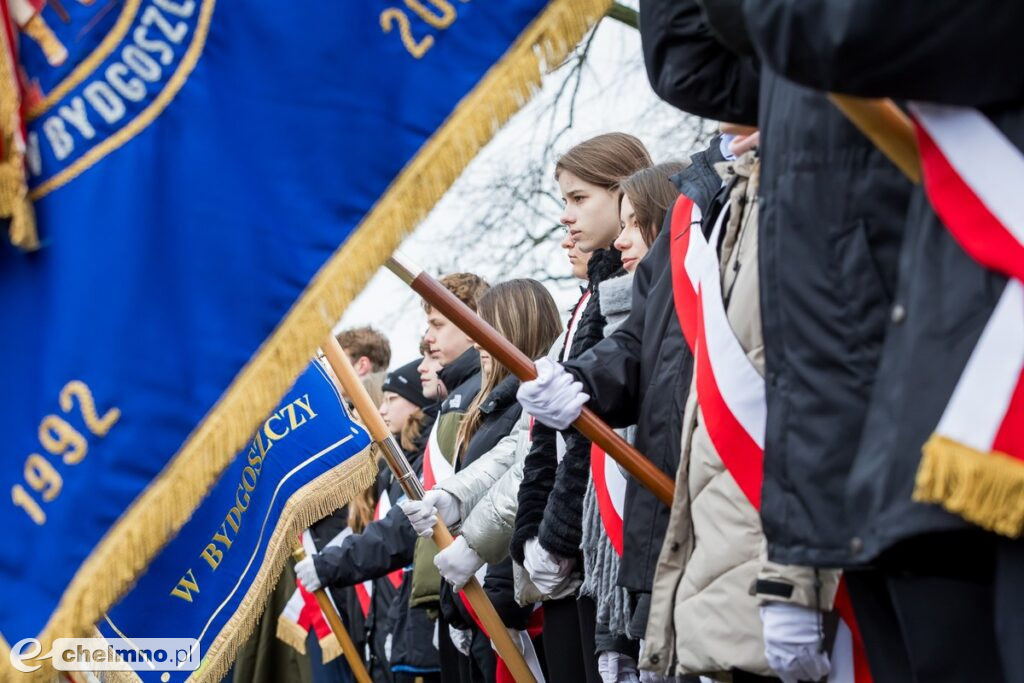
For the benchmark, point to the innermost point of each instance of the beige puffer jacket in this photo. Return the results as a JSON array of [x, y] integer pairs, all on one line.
[[704, 609], [487, 491]]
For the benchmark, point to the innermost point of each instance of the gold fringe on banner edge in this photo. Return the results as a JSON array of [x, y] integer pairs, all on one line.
[[169, 500]]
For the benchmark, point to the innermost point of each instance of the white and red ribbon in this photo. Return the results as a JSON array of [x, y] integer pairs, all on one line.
[[436, 467], [302, 608], [364, 590], [610, 487], [974, 178]]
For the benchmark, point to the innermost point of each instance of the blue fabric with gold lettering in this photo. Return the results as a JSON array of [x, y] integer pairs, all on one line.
[[194, 165], [197, 582]]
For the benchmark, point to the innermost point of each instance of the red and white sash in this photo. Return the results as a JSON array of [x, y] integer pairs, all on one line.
[[364, 590], [302, 613], [436, 467], [974, 177], [523, 639], [731, 392], [610, 487]]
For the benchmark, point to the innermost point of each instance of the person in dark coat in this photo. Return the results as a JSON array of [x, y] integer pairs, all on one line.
[[386, 545], [831, 222], [943, 603], [587, 175]]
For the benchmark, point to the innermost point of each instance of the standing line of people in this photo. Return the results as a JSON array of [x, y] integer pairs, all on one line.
[[778, 323]]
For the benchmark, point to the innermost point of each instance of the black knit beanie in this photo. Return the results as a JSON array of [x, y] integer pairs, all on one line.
[[405, 381]]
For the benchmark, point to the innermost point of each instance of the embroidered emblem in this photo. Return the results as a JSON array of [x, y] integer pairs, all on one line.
[[97, 72]]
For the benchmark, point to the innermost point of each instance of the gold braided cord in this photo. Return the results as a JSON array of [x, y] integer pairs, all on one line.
[[984, 488], [168, 501]]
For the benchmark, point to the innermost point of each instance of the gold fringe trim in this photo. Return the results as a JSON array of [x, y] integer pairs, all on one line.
[[14, 202], [290, 633], [308, 505], [984, 488], [169, 500], [330, 647]]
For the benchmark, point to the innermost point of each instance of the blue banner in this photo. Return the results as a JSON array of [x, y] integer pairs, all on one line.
[[213, 182], [301, 464]]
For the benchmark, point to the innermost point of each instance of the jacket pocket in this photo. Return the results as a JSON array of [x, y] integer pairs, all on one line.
[[865, 298]]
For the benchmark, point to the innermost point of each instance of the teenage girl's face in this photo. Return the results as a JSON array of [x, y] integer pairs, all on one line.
[[577, 259], [486, 362], [396, 411], [428, 369], [630, 241], [591, 212]]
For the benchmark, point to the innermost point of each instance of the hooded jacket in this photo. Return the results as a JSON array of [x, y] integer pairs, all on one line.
[[927, 51]]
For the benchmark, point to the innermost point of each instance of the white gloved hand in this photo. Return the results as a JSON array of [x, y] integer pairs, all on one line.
[[547, 572], [458, 563], [792, 642], [421, 515], [616, 667], [305, 570], [554, 398], [461, 639], [445, 503]]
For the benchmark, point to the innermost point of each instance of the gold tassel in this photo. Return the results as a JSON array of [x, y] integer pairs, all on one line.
[[984, 488], [14, 201], [330, 647], [168, 502], [292, 634]]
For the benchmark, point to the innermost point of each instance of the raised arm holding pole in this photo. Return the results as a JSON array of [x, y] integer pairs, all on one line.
[[589, 424], [410, 483]]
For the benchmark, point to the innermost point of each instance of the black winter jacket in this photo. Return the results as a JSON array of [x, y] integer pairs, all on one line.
[[641, 375], [928, 50], [561, 530], [541, 465], [830, 225], [687, 67]]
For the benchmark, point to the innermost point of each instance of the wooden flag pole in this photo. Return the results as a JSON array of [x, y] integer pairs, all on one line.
[[412, 487], [355, 662], [434, 293], [887, 126]]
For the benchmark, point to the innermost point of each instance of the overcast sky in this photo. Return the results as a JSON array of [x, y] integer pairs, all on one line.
[[614, 95]]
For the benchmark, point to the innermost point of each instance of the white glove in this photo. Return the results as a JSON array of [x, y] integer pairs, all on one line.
[[554, 398], [458, 563], [445, 503], [461, 639], [616, 667], [422, 516], [792, 639], [306, 571], [547, 572]]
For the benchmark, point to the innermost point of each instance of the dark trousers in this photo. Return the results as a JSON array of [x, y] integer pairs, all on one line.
[[944, 607], [563, 646], [586, 608]]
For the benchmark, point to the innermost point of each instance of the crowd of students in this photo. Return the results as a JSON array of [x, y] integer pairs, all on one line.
[[735, 310]]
